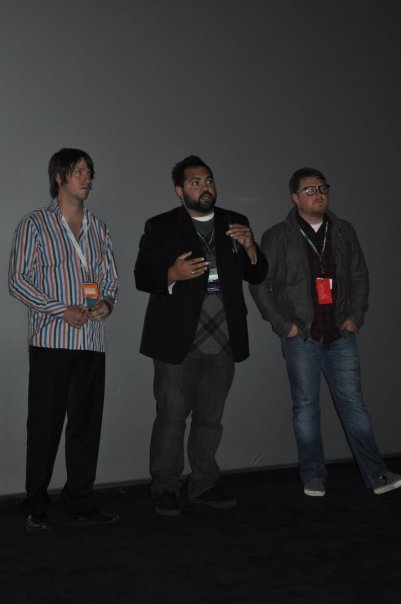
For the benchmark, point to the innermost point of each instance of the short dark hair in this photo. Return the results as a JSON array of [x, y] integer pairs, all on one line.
[[178, 172], [63, 163], [304, 173]]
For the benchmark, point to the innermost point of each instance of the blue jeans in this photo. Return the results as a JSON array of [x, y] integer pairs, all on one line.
[[200, 384], [339, 362]]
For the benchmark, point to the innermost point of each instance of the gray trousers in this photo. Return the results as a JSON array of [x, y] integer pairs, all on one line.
[[200, 384]]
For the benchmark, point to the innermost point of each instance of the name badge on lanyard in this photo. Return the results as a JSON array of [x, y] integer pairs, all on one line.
[[213, 284], [90, 290], [323, 289], [324, 285]]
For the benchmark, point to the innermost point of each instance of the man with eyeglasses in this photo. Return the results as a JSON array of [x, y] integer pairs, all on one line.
[[192, 261], [62, 268], [315, 296]]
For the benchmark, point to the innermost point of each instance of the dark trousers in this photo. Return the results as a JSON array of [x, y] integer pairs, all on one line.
[[63, 383], [200, 384]]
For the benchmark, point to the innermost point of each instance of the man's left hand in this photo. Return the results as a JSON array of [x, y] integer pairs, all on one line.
[[101, 310], [349, 325], [244, 236]]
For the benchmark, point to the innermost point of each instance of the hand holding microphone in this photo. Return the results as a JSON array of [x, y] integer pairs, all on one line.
[[241, 234], [234, 243]]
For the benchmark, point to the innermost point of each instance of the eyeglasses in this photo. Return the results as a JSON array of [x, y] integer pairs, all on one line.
[[313, 189]]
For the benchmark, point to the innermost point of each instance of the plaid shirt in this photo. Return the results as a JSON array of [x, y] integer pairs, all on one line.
[[212, 333], [324, 325]]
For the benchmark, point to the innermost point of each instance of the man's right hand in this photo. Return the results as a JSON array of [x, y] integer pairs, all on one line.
[[293, 331], [76, 315], [184, 269]]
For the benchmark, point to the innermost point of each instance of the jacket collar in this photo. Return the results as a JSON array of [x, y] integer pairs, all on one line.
[[292, 221]]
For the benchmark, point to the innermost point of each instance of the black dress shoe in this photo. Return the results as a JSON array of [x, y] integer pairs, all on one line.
[[215, 498], [93, 516], [37, 522], [167, 504]]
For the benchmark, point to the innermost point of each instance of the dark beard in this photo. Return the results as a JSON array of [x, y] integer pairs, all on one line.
[[203, 207]]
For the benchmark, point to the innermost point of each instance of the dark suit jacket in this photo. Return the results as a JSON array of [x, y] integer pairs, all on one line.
[[171, 319]]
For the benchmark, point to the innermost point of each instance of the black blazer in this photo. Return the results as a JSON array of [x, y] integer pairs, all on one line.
[[171, 319]]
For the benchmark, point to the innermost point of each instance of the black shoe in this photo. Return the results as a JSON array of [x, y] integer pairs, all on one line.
[[215, 498], [93, 516], [387, 482], [315, 488], [37, 522], [167, 504]]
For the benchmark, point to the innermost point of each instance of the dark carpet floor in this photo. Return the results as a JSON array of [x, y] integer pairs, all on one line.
[[277, 547]]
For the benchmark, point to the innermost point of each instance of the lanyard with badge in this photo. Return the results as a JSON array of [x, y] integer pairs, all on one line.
[[324, 285], [90, 289], [213, 284]]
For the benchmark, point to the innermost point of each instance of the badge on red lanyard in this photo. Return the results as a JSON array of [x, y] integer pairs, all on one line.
[[324, 285], [323, 289]]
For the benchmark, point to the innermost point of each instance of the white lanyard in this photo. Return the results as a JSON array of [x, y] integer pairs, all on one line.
[[75, 242]]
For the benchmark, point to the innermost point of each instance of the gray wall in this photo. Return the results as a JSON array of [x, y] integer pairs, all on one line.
[[259, 89]]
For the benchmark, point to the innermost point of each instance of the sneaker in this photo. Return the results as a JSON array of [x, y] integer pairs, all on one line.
[[93, 516], [214, 498], [166, 504], [37, 522], [314, 488], [387, 482]]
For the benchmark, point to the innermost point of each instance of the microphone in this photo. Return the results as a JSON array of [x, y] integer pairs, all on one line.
[[234, 243]]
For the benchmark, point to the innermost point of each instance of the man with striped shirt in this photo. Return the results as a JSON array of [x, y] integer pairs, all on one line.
[[62, 268]]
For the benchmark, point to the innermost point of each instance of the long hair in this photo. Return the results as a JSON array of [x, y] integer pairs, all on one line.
[[63, 163]]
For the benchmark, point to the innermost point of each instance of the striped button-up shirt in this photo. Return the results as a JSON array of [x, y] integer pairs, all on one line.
[[46, 274]]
